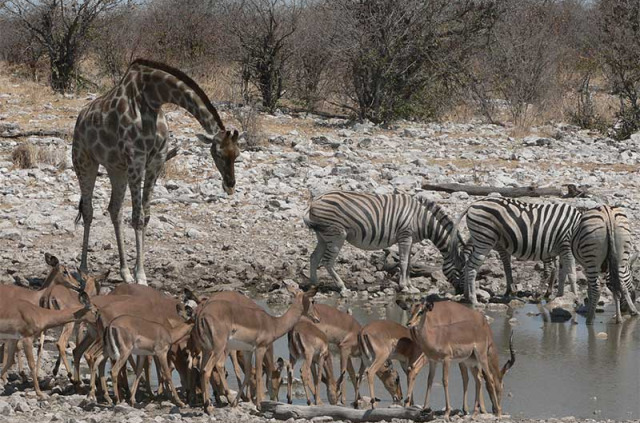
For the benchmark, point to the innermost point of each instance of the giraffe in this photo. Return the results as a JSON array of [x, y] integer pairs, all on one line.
[[126, 131]]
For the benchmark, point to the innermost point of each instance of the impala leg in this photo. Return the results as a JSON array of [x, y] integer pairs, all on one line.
[[27, 343], [465, 386], [305, 375], [9, 358], [260, 352], [78, 352], [247, 384], [62, 343], [445, 385], [318, 378], [207, 368], [292, 363], [270, 368], [477, 406], [236, 369], [166, 374], [430, 377], [371, 371], [115, 371], [140, 362]]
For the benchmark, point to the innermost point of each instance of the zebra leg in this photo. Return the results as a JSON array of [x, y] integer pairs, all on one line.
[[505, 257], [316, 259], [474, 262], [567, 269], [593, 295], [625, 284], [549, 274], [333, 249], [404, 251]]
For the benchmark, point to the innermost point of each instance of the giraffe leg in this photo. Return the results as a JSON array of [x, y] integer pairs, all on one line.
[[150, 177], [86, 170], [136, 173], [118, 191]]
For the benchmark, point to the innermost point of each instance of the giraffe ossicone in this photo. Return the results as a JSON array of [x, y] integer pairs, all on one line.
[[126, 131]]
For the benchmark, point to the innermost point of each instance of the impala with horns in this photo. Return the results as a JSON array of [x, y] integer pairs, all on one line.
[[450, 332]]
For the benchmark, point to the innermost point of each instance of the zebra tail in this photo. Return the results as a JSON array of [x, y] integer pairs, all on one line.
[[614, 270]]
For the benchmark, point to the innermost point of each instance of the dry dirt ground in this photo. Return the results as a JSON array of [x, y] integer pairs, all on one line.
[[251, 241]]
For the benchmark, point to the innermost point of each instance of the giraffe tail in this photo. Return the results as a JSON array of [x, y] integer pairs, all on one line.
[[79, 216]]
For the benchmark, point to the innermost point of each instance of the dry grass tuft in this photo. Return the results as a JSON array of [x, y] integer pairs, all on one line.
[[175, 169], [25, 156], [28, 156], [250, 124]]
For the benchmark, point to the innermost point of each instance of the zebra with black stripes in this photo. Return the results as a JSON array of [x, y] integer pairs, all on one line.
[[524, 230], [602, 243], [373, 222]]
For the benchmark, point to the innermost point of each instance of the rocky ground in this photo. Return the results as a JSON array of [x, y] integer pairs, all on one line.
[[202, 238]]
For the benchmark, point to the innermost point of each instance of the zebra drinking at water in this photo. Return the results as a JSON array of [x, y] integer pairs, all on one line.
[[602, 242], [524, 230], [373, 222]]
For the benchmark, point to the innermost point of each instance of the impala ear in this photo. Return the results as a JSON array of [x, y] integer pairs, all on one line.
[[234, 137], [311, 292], [189, 295], [403, 305], [51, 260]]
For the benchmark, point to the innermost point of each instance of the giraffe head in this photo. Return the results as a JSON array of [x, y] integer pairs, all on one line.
[[224, 150]]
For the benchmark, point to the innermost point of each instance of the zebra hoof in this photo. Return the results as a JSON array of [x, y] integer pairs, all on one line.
[[409, 290]]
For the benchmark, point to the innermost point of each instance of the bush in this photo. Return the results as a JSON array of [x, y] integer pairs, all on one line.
[[25, 156], [250, 124]]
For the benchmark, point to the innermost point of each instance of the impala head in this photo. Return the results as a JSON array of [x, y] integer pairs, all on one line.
[[308, 308], [391, 381], [416, 310], [277, 377], [59, 274], [500, 373], [186, 311], [189, 295], [225, 151], [91, 283], [89, 313]]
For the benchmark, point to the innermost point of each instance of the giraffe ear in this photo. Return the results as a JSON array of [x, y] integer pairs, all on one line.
[[205, 139]]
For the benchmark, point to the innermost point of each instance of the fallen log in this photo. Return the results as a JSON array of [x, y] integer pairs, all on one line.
[[570, 191], [38, 133], [280, 411]]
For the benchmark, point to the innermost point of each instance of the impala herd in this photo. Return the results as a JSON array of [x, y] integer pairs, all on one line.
[[194, 335]]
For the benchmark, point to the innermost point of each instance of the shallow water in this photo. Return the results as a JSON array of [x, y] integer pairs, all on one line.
[[562, 369]]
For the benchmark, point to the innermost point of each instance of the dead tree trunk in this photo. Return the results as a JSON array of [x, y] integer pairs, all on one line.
[[569, 191], [282, 411]]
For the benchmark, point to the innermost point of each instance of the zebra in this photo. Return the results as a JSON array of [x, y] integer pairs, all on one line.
[[373, 222], [602, 243], [524, 230]]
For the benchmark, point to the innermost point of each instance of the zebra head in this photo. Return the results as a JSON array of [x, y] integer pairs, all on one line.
[[454, 261]]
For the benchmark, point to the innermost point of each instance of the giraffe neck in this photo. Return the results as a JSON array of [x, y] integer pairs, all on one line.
[[160, 86]]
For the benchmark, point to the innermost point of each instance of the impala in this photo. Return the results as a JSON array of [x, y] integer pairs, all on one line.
[[447, 331], [21, 320], [307, 342], [341, 330], [126, 335], [383, 340]]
